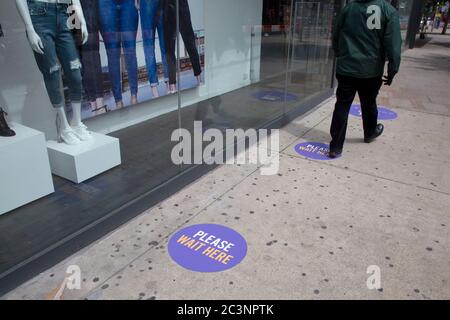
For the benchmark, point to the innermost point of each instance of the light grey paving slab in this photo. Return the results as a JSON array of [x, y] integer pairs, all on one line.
[[415, 149], [105, 257], [312, 232]]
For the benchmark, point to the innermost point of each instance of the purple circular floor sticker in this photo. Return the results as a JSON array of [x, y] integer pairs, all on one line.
[[207, 248], [275, 96], [383, 112], [313, 150]]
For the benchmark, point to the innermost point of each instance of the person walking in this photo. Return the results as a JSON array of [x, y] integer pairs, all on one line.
[[366, 34]]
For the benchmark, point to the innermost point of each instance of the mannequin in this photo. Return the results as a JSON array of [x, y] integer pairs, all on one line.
[[54, 47]]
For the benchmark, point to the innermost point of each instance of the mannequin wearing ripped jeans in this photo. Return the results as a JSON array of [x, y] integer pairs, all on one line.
[[54, 47]]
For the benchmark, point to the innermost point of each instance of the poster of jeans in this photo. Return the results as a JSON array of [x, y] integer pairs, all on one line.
[[131, 54]]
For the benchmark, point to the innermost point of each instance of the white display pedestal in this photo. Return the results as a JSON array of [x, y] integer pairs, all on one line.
[[25, 173], [86, 160]]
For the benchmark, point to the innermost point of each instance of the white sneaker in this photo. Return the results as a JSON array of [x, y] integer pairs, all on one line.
[[69, 137], [82, 133]]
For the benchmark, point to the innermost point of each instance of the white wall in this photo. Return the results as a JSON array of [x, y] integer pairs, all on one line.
[[22, 90], [230, 54]]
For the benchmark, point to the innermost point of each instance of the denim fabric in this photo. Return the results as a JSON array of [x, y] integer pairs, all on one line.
[[119, 21], [50, 23], [152, 19], [90, 53], [187, 33]]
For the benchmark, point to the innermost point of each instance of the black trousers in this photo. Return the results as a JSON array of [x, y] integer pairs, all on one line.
[[367, 90], [90, 53], [187, 33]]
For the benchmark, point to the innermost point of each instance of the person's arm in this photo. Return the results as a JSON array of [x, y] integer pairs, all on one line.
[[392, 43], [336, 32]]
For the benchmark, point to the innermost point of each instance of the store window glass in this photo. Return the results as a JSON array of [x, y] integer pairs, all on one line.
[[264, 59], [243, 83], [311, 56], [140, 72], [105, 74]]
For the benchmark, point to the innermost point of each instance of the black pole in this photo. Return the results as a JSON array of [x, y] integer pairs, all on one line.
[[444, 30], [414, 23]]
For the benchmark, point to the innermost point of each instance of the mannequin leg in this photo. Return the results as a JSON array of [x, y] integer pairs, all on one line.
[[170, 37], [108, 15], [78, 127], [62, 118], [155, 92], [90, 58], [68, 56], [129, 22], [65, 132], [100, 106], [162, 45], [76, 114], [148, 12], [188, 35], [100, 103]]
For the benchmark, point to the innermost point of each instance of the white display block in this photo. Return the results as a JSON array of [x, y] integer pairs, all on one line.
[[25, 174], [86, 160]]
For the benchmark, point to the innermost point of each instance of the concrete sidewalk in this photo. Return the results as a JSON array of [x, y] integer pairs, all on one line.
[[312, 230]]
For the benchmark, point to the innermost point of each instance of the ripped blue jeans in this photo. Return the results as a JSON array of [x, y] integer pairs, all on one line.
[[50, 23]]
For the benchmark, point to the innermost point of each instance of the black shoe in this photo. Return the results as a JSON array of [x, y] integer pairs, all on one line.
[[378, 132], [5, 130], [334, 154]]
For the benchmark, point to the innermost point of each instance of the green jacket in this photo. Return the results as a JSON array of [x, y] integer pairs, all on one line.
[[364, 39]]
